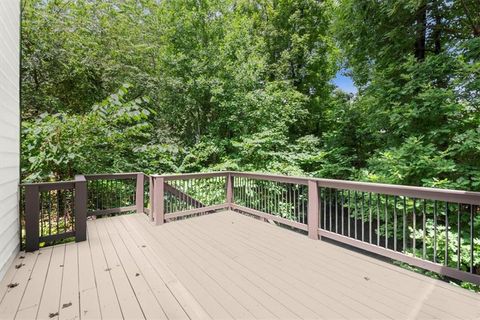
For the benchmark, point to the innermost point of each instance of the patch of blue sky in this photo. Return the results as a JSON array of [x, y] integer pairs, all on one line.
[[344, 82]]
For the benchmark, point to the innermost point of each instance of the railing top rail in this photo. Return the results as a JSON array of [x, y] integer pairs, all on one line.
[[107, 176], [272, 177], [59, 183], [458, 196], [449, 195], [186, 176], [455, 196], [45, 186]]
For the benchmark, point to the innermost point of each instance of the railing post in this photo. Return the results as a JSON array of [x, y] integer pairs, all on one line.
[[32, 216], [150, 197], [158, 205], [313, 210], [140, 192], [229, 190], [80, 208]]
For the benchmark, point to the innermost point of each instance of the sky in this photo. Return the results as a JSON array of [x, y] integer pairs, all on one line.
[[344, 82]]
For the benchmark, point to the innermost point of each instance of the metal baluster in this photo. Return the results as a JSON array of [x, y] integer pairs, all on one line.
[[404, 227], [370, 217], [458, 235], [424, 228], [96, 195], [325, 208], [330, 209], [348, 214], [446, 233], [41, 213], [355, 217], [336, 210], [378, 219], [414, 245], [242, 191], [251, 193], [58, 212], [395, 223], [343, 212], [295, 211], [72, 211], [305, 203], [471, 237], [247, 192], [278, 196], [49, 199], [435, 208], [386, 221], [363, 216], [65, 203]]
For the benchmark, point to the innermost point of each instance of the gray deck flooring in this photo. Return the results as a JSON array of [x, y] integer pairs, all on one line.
[[219, 266]]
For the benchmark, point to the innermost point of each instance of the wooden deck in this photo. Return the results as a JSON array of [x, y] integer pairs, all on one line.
[[220, 266]]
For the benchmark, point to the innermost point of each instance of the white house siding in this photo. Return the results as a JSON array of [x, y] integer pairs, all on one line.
[[9, 131]]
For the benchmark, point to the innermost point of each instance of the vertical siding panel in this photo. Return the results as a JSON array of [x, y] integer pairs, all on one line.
[[9, 129]]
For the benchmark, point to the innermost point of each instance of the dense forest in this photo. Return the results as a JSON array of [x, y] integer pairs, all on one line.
[[187, 85]]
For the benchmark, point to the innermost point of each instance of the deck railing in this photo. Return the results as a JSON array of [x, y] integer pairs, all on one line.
[[434, 229], [177, 196], [58, 211]]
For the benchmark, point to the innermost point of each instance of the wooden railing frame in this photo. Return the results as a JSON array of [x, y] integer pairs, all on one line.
[[137, 176], [158, 202], [159, 184], [81, 198], [79, 185]]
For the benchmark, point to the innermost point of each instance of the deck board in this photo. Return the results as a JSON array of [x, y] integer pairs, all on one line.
[[340, 261], [13, 296], [126, 296], [219, 266], [170, 306], [88, 296], [50, 302], [69, 302], [360, 292], [33, 293], [107, 296], [146, 299]]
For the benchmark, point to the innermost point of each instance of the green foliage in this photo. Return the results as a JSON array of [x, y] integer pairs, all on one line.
[[114, 136], [245, 85]]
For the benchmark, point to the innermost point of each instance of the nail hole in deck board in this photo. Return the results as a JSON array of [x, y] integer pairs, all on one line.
[[66, 305], [21, 257], [366, 278], [108, 269], [18, 266], [12, 285], [53, 314], [137, 274]]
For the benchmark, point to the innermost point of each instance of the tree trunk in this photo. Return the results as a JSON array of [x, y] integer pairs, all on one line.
[[437, 33], [421, 29]]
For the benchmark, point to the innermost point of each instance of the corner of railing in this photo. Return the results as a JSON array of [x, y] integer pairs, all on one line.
[[80, 208], [158, 207], [139, 195], [313, 210], [229, 185], [32, 215]]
